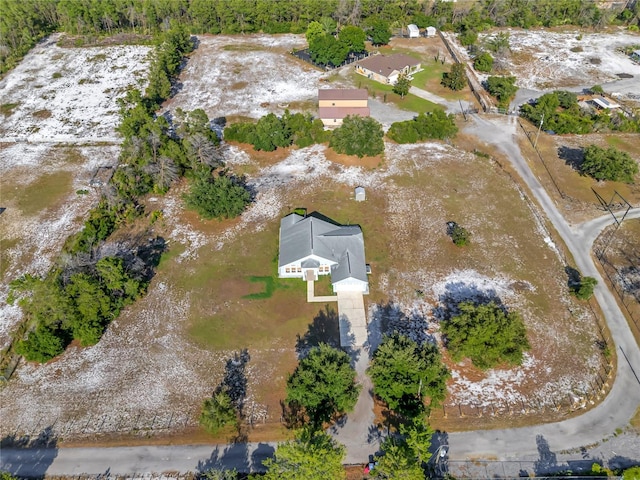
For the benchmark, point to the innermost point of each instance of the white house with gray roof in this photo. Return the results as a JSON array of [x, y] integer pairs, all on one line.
[[314, 245]]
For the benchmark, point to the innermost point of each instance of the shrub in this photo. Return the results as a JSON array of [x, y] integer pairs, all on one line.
[[218, 412], [483, 62], [503, 88], [404, 373], [217, 197], [608, 164], [460, 235], [42, 344], [487, 334], [456, 78], [584, 288], [323, 384]]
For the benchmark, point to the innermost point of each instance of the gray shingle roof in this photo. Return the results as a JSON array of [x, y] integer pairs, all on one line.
[[314, 235]]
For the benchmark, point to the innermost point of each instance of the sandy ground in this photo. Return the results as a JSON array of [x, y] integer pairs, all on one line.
[[66, 93], [145, 374]]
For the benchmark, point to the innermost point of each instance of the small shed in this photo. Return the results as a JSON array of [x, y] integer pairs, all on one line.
[[605, 104], [635, 56], [360, 194], [414, 31], [430, 32]]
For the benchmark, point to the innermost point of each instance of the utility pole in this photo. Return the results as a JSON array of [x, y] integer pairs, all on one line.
[[535, 144]]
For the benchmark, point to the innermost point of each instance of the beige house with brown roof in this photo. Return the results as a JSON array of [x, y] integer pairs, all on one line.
[[334, 104], [386, 69]]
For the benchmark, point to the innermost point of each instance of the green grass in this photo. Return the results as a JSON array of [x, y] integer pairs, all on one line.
[[385, 93], [46, 192], [269, 288]]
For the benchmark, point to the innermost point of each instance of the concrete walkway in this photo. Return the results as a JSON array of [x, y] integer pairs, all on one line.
[[311, 296]]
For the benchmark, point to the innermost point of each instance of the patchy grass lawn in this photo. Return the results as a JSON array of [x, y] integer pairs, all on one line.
[[573, 192], [385, 93]]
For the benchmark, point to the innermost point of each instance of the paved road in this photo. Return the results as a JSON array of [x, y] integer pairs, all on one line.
[[134, 460], [624, 398]]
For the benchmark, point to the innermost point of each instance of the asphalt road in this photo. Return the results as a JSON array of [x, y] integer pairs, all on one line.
[[134, 460]]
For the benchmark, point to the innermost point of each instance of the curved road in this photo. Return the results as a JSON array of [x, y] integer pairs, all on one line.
[[623, 400]]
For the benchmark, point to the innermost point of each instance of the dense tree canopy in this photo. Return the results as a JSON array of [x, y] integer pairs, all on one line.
[[608, 164], [24, 22], [311, 456], [487, 334], [271, 132], [323, 384], [379, 32], [405, 373], [358, 136]]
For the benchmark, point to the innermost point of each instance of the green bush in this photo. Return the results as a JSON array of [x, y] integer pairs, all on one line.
[[218, 412], [323, 384], [608, 164], [483, 62], [42, 344], [487, 334], [460, 235], [503, 88], [432, 125], [405, 373], [584, 288]]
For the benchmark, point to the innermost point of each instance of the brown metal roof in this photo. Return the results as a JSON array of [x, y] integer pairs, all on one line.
[[343, 94], [386, 65], [341, 112]]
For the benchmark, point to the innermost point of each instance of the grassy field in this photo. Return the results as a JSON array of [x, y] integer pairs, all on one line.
[[385, 93]]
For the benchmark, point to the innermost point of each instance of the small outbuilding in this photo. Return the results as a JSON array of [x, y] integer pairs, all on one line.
[[635, 56], [430, 32], [414, 31], [604, 104], [361, 195]]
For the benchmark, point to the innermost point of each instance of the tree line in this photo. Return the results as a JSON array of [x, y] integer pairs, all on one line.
[[23, 23]]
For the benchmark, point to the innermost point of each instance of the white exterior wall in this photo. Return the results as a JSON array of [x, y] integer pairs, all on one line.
[[296, 270]]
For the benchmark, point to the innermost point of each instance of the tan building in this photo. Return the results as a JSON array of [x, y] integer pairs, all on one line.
[[335, 104], [386, 69]]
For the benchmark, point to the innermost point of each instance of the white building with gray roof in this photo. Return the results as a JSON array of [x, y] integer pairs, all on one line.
[[314, 245]]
